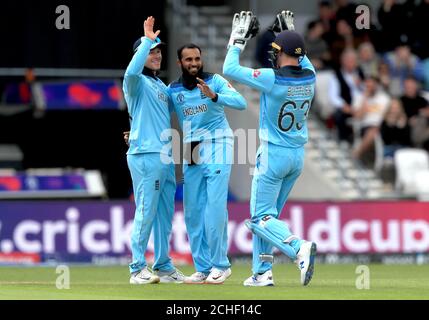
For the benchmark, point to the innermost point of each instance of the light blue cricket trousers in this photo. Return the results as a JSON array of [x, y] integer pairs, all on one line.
[[277, 169], [205, 204], [154, 185]]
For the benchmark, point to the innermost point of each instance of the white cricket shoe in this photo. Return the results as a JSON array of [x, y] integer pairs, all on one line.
[[196, 278], [260, 280], [144, 276], [218, 276], [175, 276], [305, 261]]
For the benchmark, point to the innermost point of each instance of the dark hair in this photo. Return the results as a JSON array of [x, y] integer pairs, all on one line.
[[186, 46], [373, 77], [312, 24], [410, 76], [325, 4]]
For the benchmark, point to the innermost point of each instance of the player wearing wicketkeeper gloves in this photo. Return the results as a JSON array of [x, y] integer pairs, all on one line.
[[287, 91]]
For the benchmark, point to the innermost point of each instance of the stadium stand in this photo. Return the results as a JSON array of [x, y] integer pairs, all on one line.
[[209, 27]]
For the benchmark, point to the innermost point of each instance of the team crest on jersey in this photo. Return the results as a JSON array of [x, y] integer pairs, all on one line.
[[180, 98], [162, 97], [256, 73]]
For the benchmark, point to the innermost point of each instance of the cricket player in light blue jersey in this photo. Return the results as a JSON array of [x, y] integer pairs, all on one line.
[[154, 182], [199, 99], [287, 91]]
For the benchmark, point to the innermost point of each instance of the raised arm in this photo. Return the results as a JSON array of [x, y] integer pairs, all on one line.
[[260, 79], [134, 70], [223, 93], [244, 27], [306, 64], [228, 96]]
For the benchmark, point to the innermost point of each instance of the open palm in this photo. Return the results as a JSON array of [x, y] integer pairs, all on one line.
[[148, 28]]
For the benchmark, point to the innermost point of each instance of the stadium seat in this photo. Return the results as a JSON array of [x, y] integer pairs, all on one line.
[[412, 169], [422, 186]]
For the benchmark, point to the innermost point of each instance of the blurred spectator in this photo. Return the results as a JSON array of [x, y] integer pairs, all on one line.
[[426, 74], [368, 59], [317, 48], [412, 101], [384, 76], [402, 63], [343, 39], [420, 130], [263, 45], [327, 18], [395, 131], [409, 24], [416, 108], [421, 44], [369, 108], [389, 16], [345, 85], [345, 10]]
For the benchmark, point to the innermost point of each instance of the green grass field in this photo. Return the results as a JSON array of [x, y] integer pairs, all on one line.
[[329, 282]]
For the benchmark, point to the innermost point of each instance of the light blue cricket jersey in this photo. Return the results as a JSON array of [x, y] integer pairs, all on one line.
[[148, 104], [286, 98], [199, 116]]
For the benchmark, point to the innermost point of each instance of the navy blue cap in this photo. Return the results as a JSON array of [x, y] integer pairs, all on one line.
[[153, 46], [290, 42]]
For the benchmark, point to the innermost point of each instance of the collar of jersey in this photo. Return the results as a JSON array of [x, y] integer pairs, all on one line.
[[148, 72], [291, 67]]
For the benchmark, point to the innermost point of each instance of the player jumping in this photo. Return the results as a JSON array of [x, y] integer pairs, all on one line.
[[287, 91]]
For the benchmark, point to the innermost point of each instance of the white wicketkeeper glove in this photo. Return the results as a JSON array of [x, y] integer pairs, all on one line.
[[244, 27], [284, 21]]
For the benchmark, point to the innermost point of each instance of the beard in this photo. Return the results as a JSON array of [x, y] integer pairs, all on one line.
[[190, 79]]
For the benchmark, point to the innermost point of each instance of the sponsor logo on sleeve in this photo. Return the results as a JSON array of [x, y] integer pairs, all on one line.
[[256, 73]]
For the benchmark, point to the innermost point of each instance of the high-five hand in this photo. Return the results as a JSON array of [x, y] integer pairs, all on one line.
[[244, 27], [148, 28], [284, 21]]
